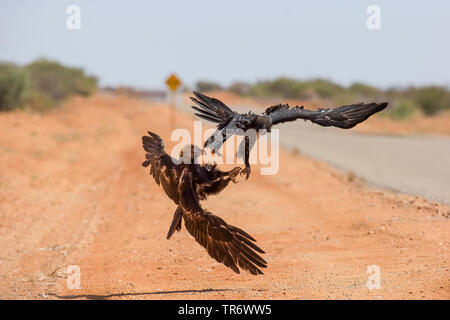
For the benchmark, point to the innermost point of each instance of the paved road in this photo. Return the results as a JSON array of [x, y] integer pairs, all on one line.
[[417, 165], [413, 165]]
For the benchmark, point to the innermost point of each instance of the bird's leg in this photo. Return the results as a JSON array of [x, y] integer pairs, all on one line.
[[247, 168], [233, 173]]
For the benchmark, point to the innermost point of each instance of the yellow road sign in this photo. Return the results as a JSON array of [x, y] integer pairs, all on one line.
[[173, 82]]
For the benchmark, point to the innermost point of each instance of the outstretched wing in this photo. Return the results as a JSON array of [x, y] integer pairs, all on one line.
[[216, 111], [161, 163], [344, 117], [212, 109], [227, 244]]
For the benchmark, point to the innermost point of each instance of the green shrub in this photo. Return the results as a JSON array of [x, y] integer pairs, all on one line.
[[58, 81], [281, 87], [324, 88], [404, 102], [41, 85], [284, 87], [364, 90], [204, 86], [348, 97], [240, 88], [13, 86], [432, 99], [403, 109], [39, 101]]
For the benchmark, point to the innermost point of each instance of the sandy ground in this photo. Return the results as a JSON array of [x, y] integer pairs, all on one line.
[[72, 192]]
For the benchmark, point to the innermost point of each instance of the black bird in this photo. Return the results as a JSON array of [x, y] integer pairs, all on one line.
[[188, 182], [231, 122]]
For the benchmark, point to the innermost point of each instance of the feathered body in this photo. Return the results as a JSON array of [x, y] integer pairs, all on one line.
[[230, 122], [188, 183]]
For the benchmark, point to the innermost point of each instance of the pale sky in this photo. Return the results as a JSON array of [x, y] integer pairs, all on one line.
[[139, 43]]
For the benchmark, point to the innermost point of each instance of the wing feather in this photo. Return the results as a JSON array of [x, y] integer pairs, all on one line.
[[344, 117], [212, 109], [212, 105], [208, 114], [225, 243], [161, 163]]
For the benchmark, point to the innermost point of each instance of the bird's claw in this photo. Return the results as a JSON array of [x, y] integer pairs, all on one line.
[[234, 173], [246, 171]]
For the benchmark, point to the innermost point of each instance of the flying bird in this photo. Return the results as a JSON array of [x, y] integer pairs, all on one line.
[[230, 122], [186, 182]]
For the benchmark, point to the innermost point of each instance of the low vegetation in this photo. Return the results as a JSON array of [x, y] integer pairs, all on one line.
[[208, 86], [13, 86], [404, 102], [45, 84], [41, 85]]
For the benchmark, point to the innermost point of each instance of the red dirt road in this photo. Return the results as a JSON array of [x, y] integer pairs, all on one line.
[[72, 192]]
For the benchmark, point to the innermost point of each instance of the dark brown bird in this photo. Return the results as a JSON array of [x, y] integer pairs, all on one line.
[[186, 183], [230, 122]]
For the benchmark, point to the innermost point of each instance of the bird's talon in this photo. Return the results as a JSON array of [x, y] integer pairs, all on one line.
[[246, 171], [234, 173]]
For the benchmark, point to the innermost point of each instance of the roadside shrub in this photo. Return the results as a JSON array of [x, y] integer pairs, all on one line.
[[324, 88], [240, 88], [58, 81], [403, 109], [13, 86], [41, 85], [281, 87], [204, 86], [348, 97], [405, 102], [432, 99], [364, 90], [38, 101], [284, 87]]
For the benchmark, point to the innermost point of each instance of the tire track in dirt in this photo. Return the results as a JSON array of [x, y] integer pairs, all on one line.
[[64, 215]]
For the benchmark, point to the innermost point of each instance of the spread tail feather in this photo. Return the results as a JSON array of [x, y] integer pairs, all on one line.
[[176, 222]]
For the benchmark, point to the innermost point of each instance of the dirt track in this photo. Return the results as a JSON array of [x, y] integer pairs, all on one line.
[[72, 192]]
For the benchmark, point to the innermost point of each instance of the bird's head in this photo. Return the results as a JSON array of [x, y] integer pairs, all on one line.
[[244, 121], [190, 153]]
